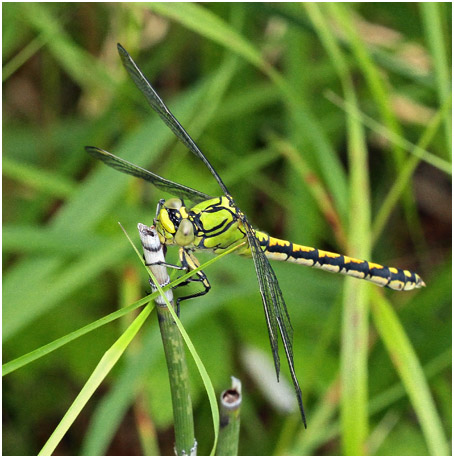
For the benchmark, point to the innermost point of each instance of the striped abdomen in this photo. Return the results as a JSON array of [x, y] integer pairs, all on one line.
[[391, 277]]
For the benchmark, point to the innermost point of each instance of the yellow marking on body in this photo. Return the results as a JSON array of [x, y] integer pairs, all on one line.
[[348, 259], [328, 254], [278, 242], [184, 212], [348, 267], [303, 248], [373, 265], [165, 221]]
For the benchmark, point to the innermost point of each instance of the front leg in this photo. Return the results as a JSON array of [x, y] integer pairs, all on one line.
[[189, 263]]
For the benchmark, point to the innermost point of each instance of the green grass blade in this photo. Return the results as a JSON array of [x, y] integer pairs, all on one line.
[[46, 182], [201, 20], [405, 174], [23, 360], [316, 187], [200, 366], [205, 23], [42, 239], [21, 309], [71, 56], [354, 412], [378, 89], [64, 258], [111, 357], [380, 93], [415, 150], [411, 373], [101, 371], [20, 58], [432, 13]]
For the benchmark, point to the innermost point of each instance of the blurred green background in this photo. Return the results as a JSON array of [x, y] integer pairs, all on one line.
[[258, 87]]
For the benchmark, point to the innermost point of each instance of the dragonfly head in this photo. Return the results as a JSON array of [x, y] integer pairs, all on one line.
[[173, 224]]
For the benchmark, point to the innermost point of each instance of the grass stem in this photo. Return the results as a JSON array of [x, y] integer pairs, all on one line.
[[229, 432], [185, 443]]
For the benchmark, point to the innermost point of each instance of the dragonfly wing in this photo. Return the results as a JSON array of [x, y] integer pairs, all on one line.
[[277, 317], [123, 166], [160, 107]]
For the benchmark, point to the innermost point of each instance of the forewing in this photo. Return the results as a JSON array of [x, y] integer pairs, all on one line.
[[275, 310], [160, 107], [123, 166]]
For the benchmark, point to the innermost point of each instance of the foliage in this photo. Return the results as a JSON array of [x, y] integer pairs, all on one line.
[[280, 98]]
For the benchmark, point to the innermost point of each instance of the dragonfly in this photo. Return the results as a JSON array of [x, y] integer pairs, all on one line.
[[217, 224]]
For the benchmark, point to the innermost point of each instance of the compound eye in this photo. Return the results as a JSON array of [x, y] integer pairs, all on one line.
[[185, 233], [173, 203]]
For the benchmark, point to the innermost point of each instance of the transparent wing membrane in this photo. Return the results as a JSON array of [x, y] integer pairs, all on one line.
[[275, 309], [129, 168], [160, 107]]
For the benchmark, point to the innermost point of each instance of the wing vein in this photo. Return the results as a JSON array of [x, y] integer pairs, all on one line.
[[276, 314]]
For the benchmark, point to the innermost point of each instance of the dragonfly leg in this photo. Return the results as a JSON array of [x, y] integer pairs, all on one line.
[[162, 263], [165, 264], [189, 262]]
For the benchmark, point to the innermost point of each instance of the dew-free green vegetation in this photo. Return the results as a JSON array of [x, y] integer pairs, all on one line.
[[331, 126]]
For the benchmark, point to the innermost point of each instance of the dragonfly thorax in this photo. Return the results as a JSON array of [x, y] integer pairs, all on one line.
[[212, 225]]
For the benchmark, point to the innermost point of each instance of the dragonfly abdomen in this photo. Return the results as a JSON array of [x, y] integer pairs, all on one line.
[[390, 277]]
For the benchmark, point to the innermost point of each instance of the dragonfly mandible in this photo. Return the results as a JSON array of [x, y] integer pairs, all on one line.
[[216, 224]]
